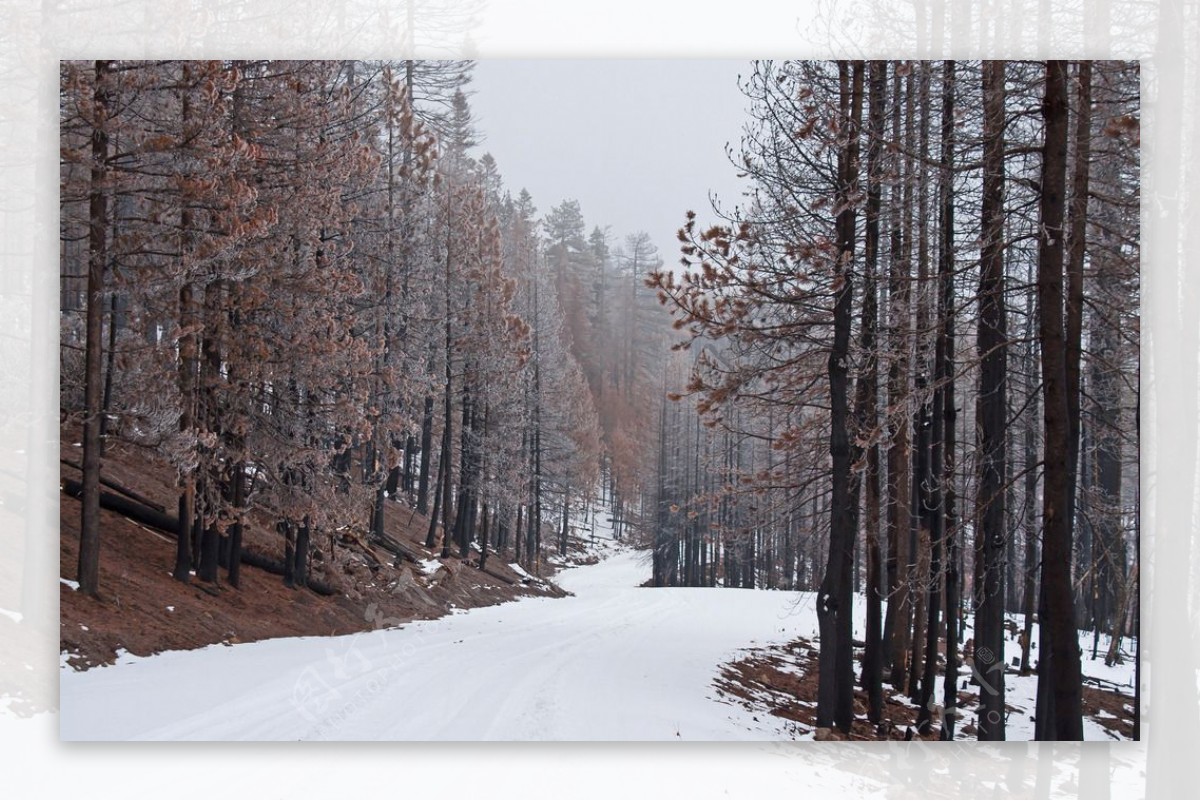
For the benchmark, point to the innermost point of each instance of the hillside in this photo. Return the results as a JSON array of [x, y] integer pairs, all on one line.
[[143, 610]]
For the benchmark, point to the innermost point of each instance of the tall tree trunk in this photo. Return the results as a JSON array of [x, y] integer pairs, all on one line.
[[1077, 240], [447, 479], [89, 527], [462, 518], [920, 545], [431, 534], [991, 411], [900, 527], [303, 538], [484, 535], [426, 449], [946, 380], [288, 530], [835, 696], [447, 415], [921, 473], [866, 399], [1105, 386], [212, 422], [1029, 511], [1058, 638], [1128, 588], [187, 379], [238, 492], [533, 546], [659, 554], [565, 523], [110, 359], [941, 430], [519, 533]]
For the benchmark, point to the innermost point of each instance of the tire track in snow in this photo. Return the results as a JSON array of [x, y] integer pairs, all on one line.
[[616, 661]]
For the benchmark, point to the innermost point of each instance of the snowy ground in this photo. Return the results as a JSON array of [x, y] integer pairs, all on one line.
[[614, 662], [1020, 691], [617, 661]]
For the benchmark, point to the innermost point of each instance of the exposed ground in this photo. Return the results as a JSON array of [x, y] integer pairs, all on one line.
[[143, 610], [780, 682]]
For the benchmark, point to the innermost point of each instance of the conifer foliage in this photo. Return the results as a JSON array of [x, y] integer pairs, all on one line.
[[310, 295]]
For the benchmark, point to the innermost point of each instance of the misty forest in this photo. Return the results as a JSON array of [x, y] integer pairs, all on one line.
[[857, 459]]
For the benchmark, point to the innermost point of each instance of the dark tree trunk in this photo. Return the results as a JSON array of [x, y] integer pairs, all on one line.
[[196, 523], [533, 546], [213, 421], [210, 540], [1012, 587], [446, 482], [899, 510], [866, 399], [426, 448], [835, 695], [462, 518], [396, 478], [658, 570], [114, 323], [89, 528], [238, 491], [1077, 238], [920, 543], [431, 534], [380, 496], [991, 411], [483, 537], [933, 513], [448, 421], [518, 533], [1105, 384], [921, 476], [303, 538], [934, 523], [1029, 509], [1058, 638], [566, 510], [287, 529], [187, 380], [945, 477]]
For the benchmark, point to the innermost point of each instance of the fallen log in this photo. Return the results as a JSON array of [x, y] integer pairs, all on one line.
[[350, 537], [155, 518], [275, 567], [397, 548], [169, 524], [497, 576], [1110, 686], [113, 485]]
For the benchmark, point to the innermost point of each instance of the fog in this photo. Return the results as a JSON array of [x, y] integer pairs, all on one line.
[[637, 142]]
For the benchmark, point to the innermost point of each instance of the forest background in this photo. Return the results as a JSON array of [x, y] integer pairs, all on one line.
[[1163, 35]]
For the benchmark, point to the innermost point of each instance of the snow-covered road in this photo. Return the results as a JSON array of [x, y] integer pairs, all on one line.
[[614, 662]]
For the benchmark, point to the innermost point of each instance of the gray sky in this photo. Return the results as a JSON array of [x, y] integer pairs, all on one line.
[[637, 142]]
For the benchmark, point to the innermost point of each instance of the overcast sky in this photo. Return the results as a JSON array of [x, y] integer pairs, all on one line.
[[637, 142]]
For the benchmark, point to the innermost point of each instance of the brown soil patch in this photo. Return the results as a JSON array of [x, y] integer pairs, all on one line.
[[782, 681], [1108, 709], [143, 610]]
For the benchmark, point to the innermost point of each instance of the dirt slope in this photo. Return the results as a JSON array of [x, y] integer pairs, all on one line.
[[143, 610]]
